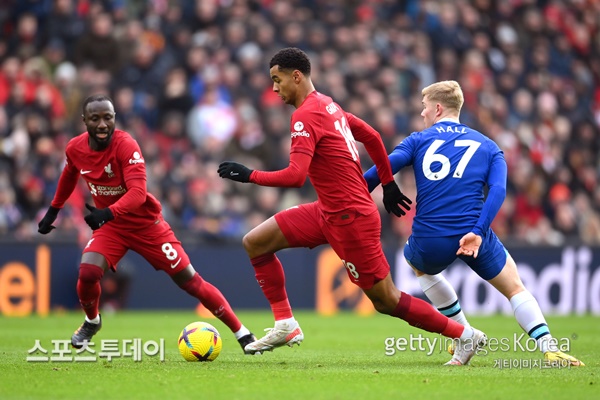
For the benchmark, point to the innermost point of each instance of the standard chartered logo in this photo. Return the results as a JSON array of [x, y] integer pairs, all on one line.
[[568, 284]]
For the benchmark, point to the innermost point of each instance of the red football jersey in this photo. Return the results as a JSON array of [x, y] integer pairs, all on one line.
[[107, 173], [321, 129]]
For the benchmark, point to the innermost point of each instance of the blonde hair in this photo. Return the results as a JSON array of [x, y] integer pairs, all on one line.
[[448, 93]]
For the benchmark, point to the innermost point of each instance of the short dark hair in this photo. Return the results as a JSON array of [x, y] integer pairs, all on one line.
[[93, 98], [291, 58]]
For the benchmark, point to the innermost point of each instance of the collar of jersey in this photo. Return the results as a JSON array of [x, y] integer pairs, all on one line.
[[448, 119]]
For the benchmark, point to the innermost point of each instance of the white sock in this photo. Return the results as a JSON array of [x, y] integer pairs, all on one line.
[[467, 333], [443, 297], [93, 321], [285, 323], [545, 345], [530, 318], [243, 331]]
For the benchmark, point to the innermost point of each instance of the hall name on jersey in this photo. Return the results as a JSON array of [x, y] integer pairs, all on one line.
[[449, 128]]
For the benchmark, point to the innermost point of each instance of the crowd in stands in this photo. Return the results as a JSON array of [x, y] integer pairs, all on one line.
[[189, 79]]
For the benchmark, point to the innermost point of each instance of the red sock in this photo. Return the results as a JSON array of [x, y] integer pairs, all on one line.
[[271, 279], [213, 300], [423, 315], [88, 288]]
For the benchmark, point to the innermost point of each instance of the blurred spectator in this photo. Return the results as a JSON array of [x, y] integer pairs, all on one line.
[[175, 96], [212, 122], [98, 46], [64, 26], [26, 40], [10, 214]]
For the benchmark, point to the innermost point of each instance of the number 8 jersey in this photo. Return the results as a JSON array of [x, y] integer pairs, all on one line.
[[452, 165]]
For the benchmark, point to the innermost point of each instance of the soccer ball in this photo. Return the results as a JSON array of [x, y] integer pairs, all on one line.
[[200, 341]]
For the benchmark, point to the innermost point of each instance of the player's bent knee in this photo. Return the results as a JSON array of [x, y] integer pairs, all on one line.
[[90, 273], [247, 242], [184, 276], [383, 306], [254, 246]]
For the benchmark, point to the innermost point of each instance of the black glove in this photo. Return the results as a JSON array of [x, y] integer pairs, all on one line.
[[98, 217], [45, 226], [392, 197], [234, 171]]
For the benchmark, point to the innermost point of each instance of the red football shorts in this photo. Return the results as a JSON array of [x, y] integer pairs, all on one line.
[[355, 238], [156, 243]]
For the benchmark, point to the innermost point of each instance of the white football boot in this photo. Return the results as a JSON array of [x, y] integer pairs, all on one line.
[[282, 334], [465, 349]]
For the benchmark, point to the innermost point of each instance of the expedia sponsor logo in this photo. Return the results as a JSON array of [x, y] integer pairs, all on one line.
[[299, 130], [136, 159], [303, 133]]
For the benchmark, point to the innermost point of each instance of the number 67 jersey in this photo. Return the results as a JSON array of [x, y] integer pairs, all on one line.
[[452, 165]]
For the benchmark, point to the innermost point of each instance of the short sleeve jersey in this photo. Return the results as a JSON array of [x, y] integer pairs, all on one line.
[[106, 173], [319, 128]]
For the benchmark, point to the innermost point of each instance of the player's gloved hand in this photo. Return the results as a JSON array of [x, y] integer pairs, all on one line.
[[394, 199], [234, 171], [98, 217], [45, 226]]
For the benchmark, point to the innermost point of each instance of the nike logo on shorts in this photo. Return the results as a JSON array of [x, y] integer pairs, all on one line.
[[176, 264]]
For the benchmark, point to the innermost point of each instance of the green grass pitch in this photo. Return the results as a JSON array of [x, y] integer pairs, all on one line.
[[342, 357]]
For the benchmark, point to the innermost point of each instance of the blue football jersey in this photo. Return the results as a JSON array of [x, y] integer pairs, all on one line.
[[452, 164]]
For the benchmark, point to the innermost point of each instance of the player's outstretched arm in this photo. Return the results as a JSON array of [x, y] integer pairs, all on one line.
[[294, 175], [399, 158], [469, 245]]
